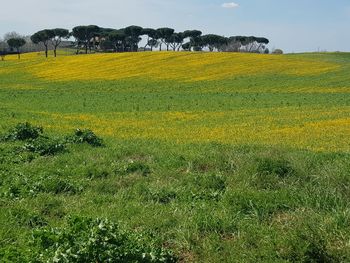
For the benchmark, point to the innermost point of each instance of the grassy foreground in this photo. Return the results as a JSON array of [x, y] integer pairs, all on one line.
[[206, 158]]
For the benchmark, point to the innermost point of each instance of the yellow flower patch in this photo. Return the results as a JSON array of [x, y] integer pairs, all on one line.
[[180, 66]]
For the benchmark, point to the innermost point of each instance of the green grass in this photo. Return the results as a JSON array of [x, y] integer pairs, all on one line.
[[200, 201]]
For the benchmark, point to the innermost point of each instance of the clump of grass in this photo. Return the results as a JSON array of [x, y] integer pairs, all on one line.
[[208, 187], [131, 167], [97, 240], [270, 166], [162, 196], [97, 173], [60, 186], [22, 186], [85, 136], [140, 167], [28, 219]]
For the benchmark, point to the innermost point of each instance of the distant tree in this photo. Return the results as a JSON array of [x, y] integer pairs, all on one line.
[[84, 35], [245, 44], [176, 40], [12, 34], [102, 36], [152, 37], [16, 43], [118, 38], [153, 43], [195, 39], [133, 38], [3, 54], [186, 46], [165, 34], [44, 37], [213, 41], [254, 44], [262, 41], [233, 44], [107, 45], [3, 49], [277, 51], [58, 35], [220, 42]]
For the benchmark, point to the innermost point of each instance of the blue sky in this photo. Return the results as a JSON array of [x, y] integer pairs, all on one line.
[[294, 26]]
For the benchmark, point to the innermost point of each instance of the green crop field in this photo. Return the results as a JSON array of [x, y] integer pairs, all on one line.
[[193, 157]]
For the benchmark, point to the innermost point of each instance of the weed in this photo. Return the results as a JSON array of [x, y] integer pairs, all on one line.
[[24, 131], [45, 146], [85, 136], [99, 240]]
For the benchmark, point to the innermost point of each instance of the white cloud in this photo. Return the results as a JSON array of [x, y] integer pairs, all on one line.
[[230, 5]]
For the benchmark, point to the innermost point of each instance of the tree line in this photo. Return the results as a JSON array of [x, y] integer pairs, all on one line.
[[94, 38]]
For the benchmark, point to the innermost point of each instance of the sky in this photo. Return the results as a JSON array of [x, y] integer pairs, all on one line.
[[291, 25]]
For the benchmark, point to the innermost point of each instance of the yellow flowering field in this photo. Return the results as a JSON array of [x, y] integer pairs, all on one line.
[[299, 101], [184, 66]]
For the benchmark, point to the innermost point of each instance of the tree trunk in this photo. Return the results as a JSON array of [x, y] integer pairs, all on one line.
[[86, 48], [54, 52], [46, 51], [144, 49]]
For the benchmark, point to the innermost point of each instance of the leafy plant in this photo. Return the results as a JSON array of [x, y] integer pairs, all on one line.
[[45, 146], [24, 131], [85, 136], [96, 240]]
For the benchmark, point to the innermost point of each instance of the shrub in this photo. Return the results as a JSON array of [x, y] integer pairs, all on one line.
[[45, 146], [277, 52], [87, 240], [85, 136], [24, 131]]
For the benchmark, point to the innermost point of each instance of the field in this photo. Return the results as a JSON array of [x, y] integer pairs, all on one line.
[[210, 157]]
